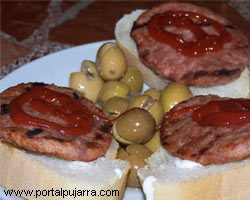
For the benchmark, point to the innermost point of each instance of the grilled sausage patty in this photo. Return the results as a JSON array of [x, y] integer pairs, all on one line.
[[208, 70], [85, 147], [186, 139]]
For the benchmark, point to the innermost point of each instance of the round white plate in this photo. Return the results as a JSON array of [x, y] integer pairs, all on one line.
[[56, 68]]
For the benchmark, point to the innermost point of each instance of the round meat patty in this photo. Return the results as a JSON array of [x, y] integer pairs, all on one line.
[[213, 68], [84, 147], [186, 139]]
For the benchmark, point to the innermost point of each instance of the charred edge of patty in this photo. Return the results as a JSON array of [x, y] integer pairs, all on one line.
[[229, 26], [27, 89], [225, 72], [75, 96], [218, 73], [199, 74], [137, 26], [39, 84], [105, 128], [4, 109], [34, 132]]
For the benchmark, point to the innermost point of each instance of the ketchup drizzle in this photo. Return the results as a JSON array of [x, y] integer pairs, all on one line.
[[218, 113], [227, 113], [76, 116], [204, 44]]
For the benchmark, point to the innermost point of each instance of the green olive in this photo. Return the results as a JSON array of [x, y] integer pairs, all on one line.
[[174, 93], [101, 51], [157, 112], [111, 61], [115, 106], [141, 101], [134, 126], [90, 67], [135, 164], [122, 154], [154, 107], [138, 149], [113, 88], [154, 143], [135, 154], [134, 79], [86, 83], [154, 93]]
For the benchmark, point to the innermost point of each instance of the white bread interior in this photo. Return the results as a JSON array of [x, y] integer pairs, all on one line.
[[161, 179], [237, 88], [28, 171]]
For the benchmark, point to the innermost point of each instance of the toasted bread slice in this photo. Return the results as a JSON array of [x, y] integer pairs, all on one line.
[[168, 177], [49, 176]]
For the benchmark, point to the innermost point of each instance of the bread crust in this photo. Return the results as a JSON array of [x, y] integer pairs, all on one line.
[[225, 182], [229, 185], [40, 172]]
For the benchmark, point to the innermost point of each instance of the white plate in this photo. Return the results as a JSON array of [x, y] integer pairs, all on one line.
[[56, 68]]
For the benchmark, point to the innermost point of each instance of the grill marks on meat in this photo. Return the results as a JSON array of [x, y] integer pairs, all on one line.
[[34, 132], [220, 73], [85, 147], [185, 139], [229, 26], [211, 69]]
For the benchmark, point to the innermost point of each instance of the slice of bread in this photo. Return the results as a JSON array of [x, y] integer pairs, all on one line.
[[104, 178], [166, 177], [237, 88]]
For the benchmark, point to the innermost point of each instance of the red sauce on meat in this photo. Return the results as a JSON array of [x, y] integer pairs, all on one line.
[[205, 43], [76, 118], [223, 113], [220, 113], [176, 113]]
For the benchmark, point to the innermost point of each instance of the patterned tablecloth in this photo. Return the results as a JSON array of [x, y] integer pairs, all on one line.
[[30, 30]]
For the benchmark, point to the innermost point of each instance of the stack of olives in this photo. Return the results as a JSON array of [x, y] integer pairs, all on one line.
[[116, 87]]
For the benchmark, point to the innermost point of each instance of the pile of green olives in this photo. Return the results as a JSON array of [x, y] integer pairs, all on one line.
[[109, 76], [117, 88]]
